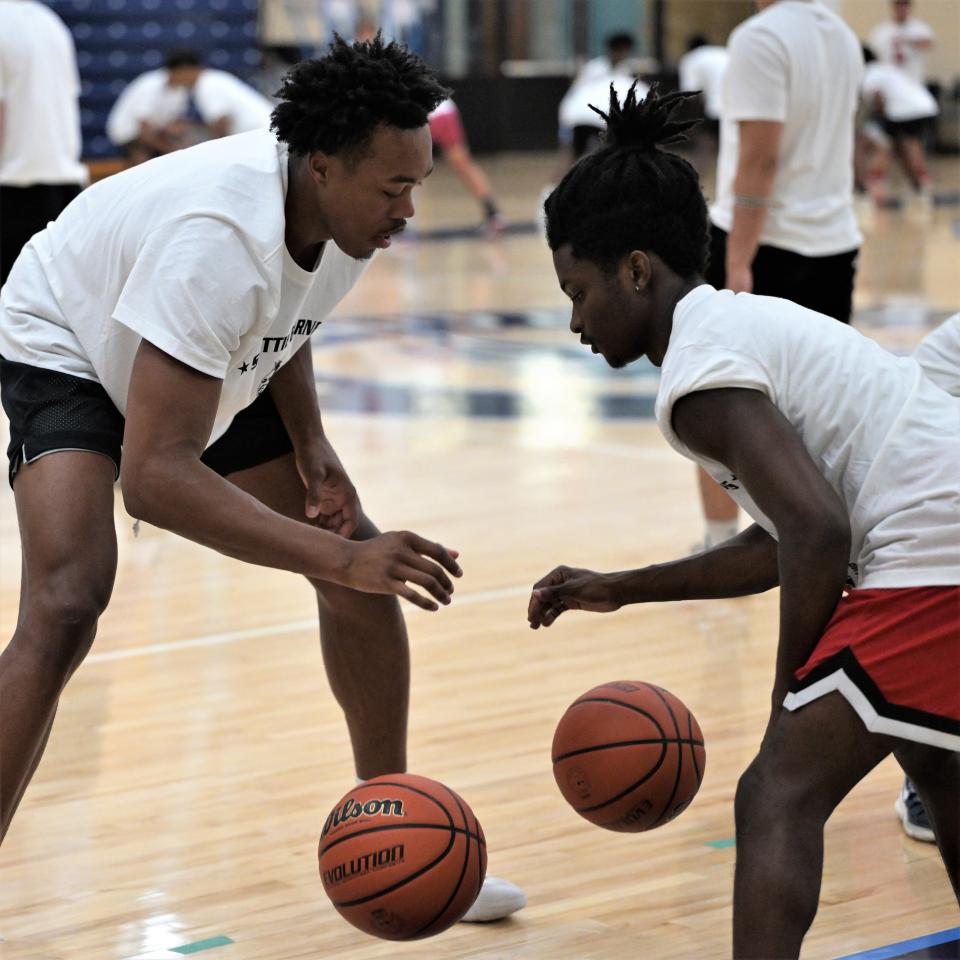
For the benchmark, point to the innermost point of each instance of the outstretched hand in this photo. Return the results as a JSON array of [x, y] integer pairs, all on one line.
[[569, 588], [395, 562]]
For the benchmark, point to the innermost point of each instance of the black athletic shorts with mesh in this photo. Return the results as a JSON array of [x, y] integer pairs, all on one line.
[[51, 411]]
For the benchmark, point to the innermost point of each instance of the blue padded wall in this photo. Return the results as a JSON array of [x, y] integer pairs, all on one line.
[[119, 39]]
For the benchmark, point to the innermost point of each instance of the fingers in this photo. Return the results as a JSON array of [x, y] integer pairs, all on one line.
[[408, 593], [546, 604], [437, 586], [435, 551]]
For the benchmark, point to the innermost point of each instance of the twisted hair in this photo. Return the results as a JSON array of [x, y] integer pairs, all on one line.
[[336, 103], [632, 194]]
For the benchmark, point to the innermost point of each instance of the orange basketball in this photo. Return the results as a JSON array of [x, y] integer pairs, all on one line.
[[402, 857], [628, 756]]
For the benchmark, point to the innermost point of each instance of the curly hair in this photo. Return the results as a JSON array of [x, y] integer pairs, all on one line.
[[632, 194], [334, 104]]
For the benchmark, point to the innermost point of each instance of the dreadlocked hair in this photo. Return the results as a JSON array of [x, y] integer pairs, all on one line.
[[335, 104], [632, 194]]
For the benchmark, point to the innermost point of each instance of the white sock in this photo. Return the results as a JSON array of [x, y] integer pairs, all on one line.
[[717, 531]]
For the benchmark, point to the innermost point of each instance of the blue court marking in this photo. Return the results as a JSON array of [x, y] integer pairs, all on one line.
[[200, 945], [469, 232], [721, 844], [351, 395], [908, 947]]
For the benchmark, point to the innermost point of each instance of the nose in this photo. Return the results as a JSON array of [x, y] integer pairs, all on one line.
[[403, 209], [575, 325]]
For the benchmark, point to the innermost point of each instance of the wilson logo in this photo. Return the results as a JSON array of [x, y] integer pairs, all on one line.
[[354, 810]]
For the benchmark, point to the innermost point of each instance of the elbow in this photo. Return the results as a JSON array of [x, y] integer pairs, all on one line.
[[141, 488], [825, 534]]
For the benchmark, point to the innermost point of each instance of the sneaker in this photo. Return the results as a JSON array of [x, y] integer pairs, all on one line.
[[497, 899], [913, 816]]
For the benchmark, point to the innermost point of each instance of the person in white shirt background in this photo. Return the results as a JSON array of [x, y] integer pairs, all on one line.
[[40, 168], [818, 431], [182, 104], [702, 68], [201, 276], [783, 221], [905, 110], [903, 40]]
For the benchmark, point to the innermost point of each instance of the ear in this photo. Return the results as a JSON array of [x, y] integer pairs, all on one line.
[[319, 166], [636, 271]]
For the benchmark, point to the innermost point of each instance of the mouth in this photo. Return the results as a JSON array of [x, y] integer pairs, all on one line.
[[588, 343], [383, 240]]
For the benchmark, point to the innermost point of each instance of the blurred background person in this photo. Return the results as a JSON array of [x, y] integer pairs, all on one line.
[[905, 110], [702, 68], [783, 221], [446, 128], [40, 168], [181, 104], [903, 40]]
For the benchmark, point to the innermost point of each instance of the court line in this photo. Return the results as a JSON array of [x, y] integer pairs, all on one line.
[[295, 626], [905, 946]]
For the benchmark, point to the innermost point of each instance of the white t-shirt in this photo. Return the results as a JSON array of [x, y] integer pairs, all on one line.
[[703, 69], [575, 106], [217, 94], [883, 436], [893, 42], [939, 355], [186, 251], [39, 89], [903, 98], [798, 63]]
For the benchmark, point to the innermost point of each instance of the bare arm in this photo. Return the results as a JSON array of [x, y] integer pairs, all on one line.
[[165, 483], [752, 186], [743, 430], [743, 565]]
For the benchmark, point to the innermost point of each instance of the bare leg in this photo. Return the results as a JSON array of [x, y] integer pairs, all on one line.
[[910, 151], [808, 764], [65, 509], [936, 775], [363, 636]]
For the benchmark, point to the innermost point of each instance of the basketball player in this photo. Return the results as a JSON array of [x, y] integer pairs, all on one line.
[[844, 455], [783, 222], [200, 276]]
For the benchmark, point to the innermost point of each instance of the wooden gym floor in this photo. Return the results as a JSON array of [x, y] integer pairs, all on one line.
[[198, 751]]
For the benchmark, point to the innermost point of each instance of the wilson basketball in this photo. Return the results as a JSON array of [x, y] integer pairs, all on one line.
[[402, 857], [628, 756]]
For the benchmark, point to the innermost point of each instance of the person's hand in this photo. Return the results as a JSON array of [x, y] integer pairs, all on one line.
[[391, 562], [739, 279], [331, 499], [567, 588]]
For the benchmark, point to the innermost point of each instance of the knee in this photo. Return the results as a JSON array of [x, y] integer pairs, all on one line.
[[60, 622], [749, 797]]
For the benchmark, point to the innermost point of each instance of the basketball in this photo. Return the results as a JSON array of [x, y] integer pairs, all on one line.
[[628, 756], [402, 857]]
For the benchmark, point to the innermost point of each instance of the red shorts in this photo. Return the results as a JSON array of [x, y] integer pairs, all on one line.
[[446, 129], [895, 657]]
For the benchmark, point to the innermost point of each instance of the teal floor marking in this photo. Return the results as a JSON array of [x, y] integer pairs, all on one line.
[[721, 844], [202, 945]]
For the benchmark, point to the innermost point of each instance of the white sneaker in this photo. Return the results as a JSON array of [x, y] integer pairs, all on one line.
[[497, 899]]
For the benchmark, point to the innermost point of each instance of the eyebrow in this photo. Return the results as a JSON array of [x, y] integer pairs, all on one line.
[[401, 179]]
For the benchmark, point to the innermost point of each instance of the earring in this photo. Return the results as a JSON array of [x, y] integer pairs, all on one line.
[[637, 288]]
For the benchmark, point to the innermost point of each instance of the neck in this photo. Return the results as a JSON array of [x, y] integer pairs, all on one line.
[[671, 291], [306, 227]]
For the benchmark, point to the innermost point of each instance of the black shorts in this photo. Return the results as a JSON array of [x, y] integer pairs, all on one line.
[[25, 211], [51, 411], [908, 129], [824, 284]]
